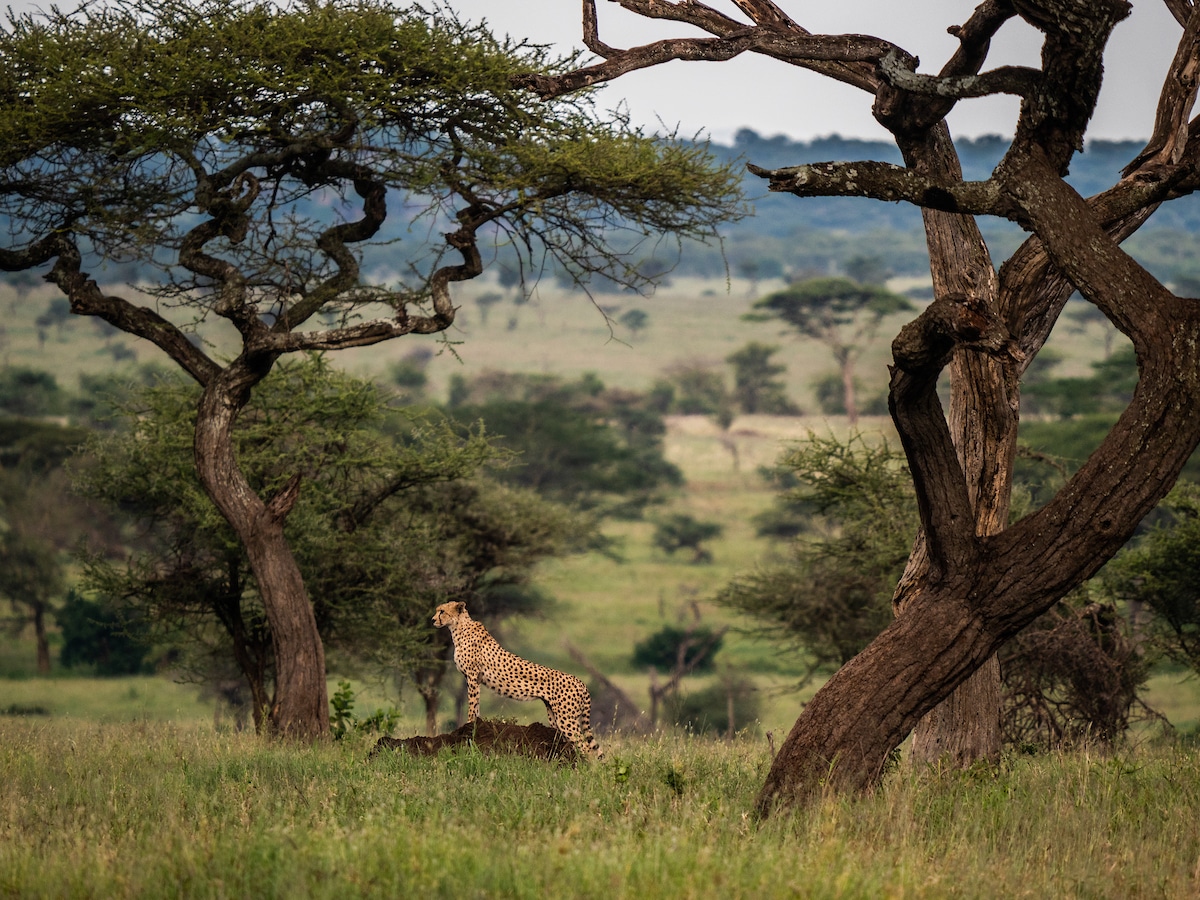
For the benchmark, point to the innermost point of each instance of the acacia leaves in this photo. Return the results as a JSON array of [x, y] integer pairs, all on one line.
[[120, 123]]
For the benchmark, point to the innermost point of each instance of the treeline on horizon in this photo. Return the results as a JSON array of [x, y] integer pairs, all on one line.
[[791, 238]]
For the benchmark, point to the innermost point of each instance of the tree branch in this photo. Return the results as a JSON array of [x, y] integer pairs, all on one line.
[[1175, 102], [87, 299], [228, 219], [884, 181], [898, 72]]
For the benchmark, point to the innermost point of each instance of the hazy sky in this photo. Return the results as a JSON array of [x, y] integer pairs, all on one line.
[[774, 98]]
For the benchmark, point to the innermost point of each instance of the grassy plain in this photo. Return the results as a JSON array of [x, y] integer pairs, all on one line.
[[93, 810], [123, 787]]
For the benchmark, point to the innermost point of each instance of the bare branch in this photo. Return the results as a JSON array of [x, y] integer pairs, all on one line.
[[1018, 80], [87, 299], [764, 12], [228, 219], [1175, 102], [619, 63], [34, 255], [333, 242], [884, 181], [1180, 9]]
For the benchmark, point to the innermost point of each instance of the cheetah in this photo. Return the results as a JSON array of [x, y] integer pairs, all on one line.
[[481, 659]]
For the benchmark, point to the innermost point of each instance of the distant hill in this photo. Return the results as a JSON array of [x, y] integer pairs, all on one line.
[[792, 237], [1094, 170]]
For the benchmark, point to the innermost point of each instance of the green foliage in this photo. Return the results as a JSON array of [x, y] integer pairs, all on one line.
[[145, 108], [102, 637], [833, 595], [830, 391], [661, 649], [384, 529], [682, 531], [1161, 571], [697, 389], [28, 392], [1107, 391], [757, 387], [574, 441], [30, 572], [342, 720], [838, 312], [706, 711]]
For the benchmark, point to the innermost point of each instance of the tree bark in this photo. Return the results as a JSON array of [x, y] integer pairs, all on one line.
[[984, 409], [301, 707]]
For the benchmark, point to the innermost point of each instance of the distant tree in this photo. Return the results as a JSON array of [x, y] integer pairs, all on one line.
[[681, 531], [635, 320], [30, 392], [99, 635], [249, 152], [867, 269], [842, 314], [1107, 390], [699, 389], [31, 578], [40, 520], [696, 647], [575, 441], [409, 378], [1161, 572], [486, 301], [757, 387]]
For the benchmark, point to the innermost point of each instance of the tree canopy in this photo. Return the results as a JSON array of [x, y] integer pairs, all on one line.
[[251, 152]]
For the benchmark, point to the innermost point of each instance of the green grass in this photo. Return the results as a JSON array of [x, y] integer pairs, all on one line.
[[559, 332], [150, 810]]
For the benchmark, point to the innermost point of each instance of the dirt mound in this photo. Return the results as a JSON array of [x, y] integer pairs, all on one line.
[[496, 738]]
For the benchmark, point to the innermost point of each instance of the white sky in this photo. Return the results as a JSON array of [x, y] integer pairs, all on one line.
[[773, 98]]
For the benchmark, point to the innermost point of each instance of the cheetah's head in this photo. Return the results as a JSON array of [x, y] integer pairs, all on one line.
[[449, 613]]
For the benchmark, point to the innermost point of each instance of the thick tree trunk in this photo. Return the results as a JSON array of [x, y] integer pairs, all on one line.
[[978, 591], [301, 707], [983, 425]]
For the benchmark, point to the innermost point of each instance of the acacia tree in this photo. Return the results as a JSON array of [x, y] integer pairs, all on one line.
[[971, 582], [248, 152], [842, 314]]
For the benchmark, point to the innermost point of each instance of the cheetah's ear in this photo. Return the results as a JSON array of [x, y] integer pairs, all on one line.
[[460, 607]]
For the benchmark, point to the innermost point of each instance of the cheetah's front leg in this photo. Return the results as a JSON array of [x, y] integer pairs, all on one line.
[[472, 698]]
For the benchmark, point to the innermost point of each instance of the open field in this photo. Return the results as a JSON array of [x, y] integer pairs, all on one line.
[[150, 811], [556, 332], [130, 788]]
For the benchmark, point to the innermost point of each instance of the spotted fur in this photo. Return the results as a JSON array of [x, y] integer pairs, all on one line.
[[482, 660]]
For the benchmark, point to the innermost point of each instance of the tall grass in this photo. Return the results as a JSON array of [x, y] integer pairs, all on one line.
[[160, 810]]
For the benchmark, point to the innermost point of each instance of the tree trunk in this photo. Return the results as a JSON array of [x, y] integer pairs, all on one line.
[[301, 707], [977, 591], [39, 630], [849, 395]]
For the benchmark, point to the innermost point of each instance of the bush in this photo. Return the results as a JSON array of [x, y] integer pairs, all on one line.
[[707, 711], [661, 649], [103, 637], [1072, 677]]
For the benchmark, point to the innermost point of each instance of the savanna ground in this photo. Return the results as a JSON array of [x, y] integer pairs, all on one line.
[[124, 787]]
